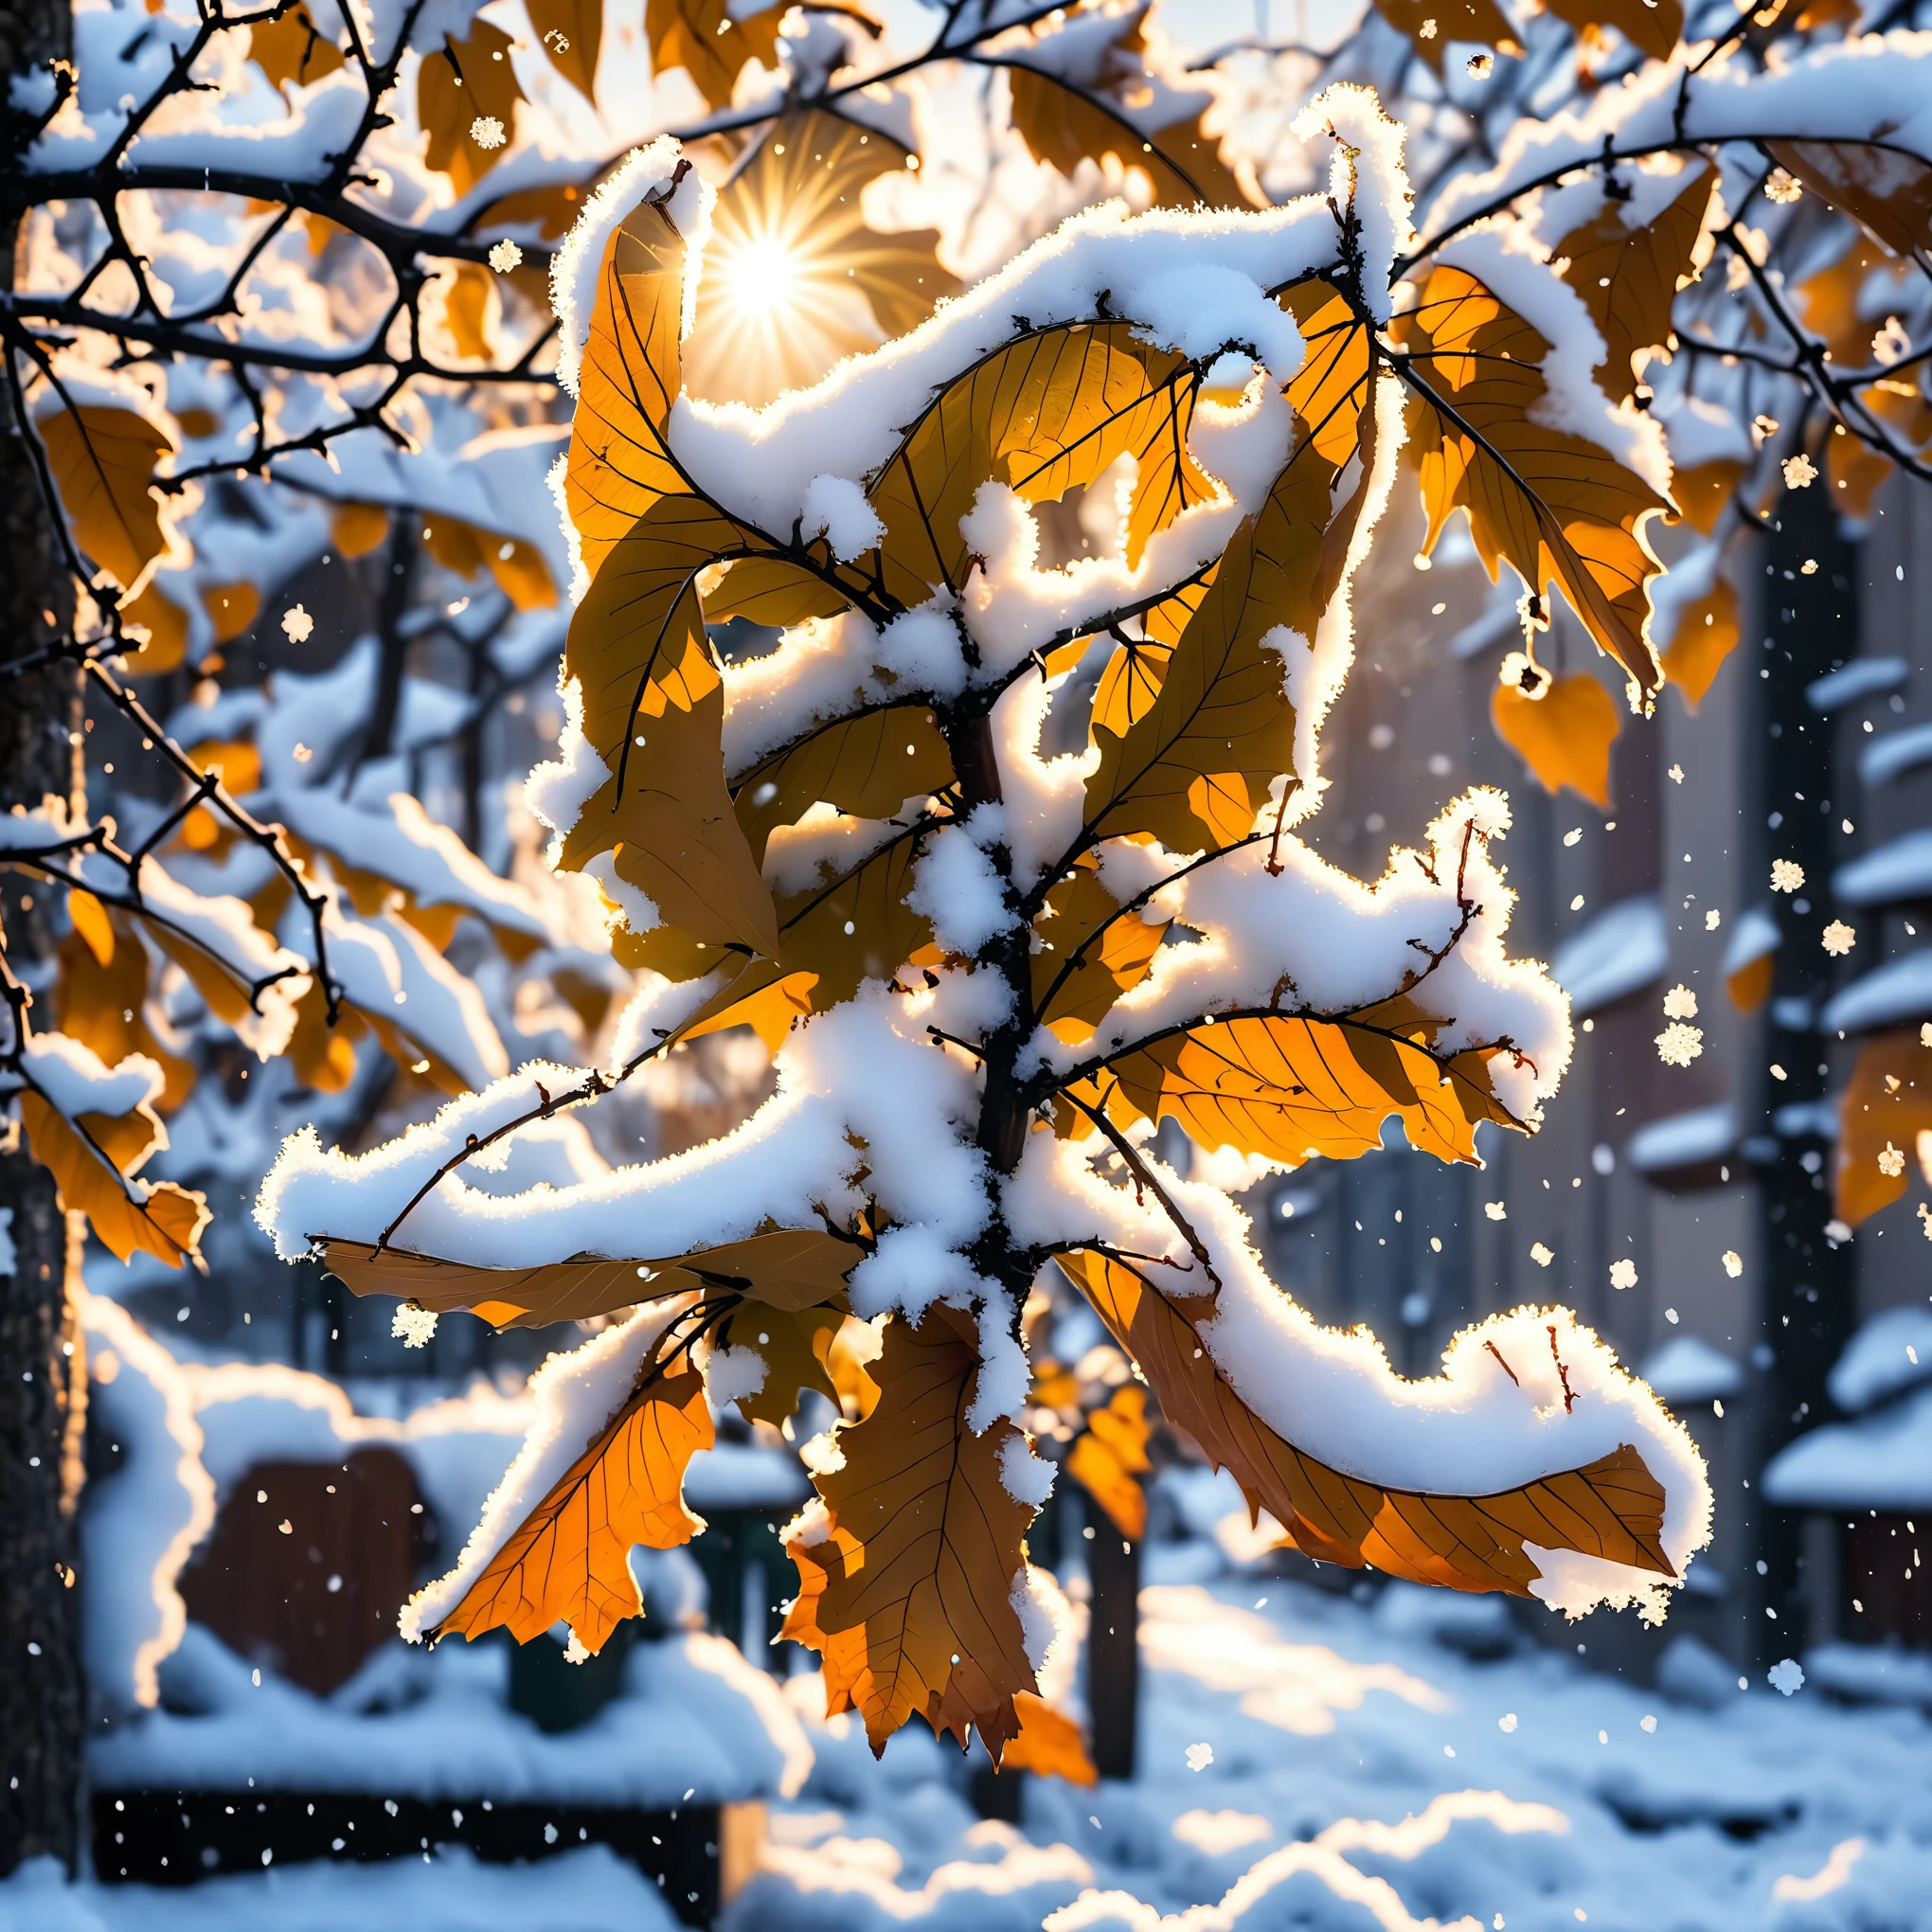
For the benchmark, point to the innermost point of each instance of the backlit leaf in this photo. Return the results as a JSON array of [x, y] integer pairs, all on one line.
[[457, 84], [1886, 190], [572, 32], [795, 1345], [165, 626], [1613, 1508], [1049, 1744], [1565, 736], [928, 1538], [1888, 1103], [1089, 953], [711, 41], [290, 52], [1109, 1457], [1652, 26], [1707, 633], [93, 1162], [104, 462], [1554, 506], [570, 1558], [100, 999], [1430, 26]]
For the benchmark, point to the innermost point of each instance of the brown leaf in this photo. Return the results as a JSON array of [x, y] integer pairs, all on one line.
[[795, 1345], [711, 41], [290, 51], [100, 998], [1612, 1507], [1556, 507], [1651, 26], [1701, 490], [788, 1270], [571, 31], [570, 1558], [1565, 736], [1111, 1455], [1627, 276], [1049, 1743], [356, 529], [457, 84], [93, 1160], [1888, 1103], [928, 1538], [165, 624], [1090, 952], [104, 462], [231, 608], [516, 563], [771, 591], [1886, 191], [1480, 22]]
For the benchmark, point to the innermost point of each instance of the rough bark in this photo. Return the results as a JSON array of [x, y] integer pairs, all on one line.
[[42, 1368]]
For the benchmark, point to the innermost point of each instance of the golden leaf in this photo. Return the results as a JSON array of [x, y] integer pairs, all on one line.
[[1290, 1088], [1565, 736], [166, 625], [1111, 1453], [1627, 277], [772, 591], [794, 276], [103, 461], [356, 529], [1554, 506], [323, 1056], [1195, 768], [1750, 987], [466, 310], [788, 1270], [516, 563], [867, 764], [570, 1558], [91, 922], [290, 51], [1701, 490], [92, 1161], [457, 84], [928, 1538], [1479, 21], [1130, 684], [711, 41], [1886, 191], [1887, 1101], [1652, 26], [1049, 1743], [231, 608], [795, 1345], [572, 32], [1612, 1507], [1091, 953], [1706, 635]]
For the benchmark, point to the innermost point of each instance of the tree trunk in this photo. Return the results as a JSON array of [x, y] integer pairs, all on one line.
[[43, 1367], [1112, 1646]]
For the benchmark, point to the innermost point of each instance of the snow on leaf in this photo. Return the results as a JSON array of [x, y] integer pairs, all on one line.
[[570, 1559], [1886, 190], [1613, 1508], [926, 1542], [1564, 736], [1555, 507]]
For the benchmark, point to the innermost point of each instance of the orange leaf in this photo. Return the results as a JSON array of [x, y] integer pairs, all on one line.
[[356, 529], [1888, 1103], [1480, 22], [1706, 635], [711, 41], [1565, 736], [232, 608], [103, 461], [166, 625], [570, 1559], [1612, 1507], [1111, 1453], [89, 1160], [1049, 1743], [290, 51], [458, 84]]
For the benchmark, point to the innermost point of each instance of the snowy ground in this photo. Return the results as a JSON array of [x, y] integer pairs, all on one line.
[[1366, 1774]]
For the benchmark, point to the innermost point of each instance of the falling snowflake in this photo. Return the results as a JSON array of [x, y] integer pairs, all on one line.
[[1837, 1230], [1787, 875], [415, 1324], [1925, 1219], [1785, 1677], [1712, 920], [1781, 187], [1891, 343], [1892, 1163], [1427, 30], [1925, 1034], [1676, 775], [1480, 65], [1670, 1317], [1801, 472], [1839, 939], [1495, 1210], [297, 625], [505, 257], [1507, 1722], [1623, 1273], [487, 132], [1809, 567], [1679, 1044], [1681, 1003], [1733, 1263], [1200, 1757], [1764, 428], [1541, 1255]]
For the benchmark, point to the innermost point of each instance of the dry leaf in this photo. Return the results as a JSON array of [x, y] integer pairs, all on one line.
[[571, 32], [1612, 1507], [1651, 26], [231, 608], [1109, 1457], [1565, 736], [104, 462], [1481, 23], [1089, 952], [1557, 508], [1706, 635], [1881, 187], [1049, 1743], [711, 41], [457, 84], [934, 1535], [93, 1160], [101, 997], [290, 52], [571, 1557]]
